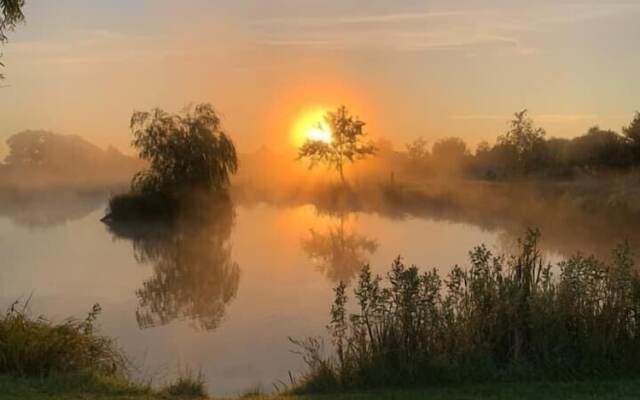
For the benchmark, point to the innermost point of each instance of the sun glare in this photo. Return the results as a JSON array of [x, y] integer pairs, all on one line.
[[319, 134], [310, 125]]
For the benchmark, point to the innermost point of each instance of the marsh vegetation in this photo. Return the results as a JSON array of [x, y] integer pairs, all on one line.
[[502, 318]]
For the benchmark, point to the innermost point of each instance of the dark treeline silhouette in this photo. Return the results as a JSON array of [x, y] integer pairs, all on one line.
[[194, 276], [525, 151], [503, 317]]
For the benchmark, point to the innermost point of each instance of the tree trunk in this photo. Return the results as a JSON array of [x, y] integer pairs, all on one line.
[[341, 171]]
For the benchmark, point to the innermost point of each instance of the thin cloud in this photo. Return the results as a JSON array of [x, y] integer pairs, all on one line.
[[433, 30], [355, 20]]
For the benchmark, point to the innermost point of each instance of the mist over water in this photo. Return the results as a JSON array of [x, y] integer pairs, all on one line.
[[223, 290]]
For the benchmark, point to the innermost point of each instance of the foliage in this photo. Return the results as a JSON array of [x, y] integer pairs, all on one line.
[[10, 15], [523, 151], [632, 133], [185, 151], [599, 147], [38, 347], [524, 142], [346, 146], [502, 317]]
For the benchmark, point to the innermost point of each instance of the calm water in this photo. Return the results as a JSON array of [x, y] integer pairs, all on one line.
[[220, 295]]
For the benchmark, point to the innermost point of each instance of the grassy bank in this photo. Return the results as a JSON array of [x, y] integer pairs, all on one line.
[[600, 390], [72, 386], [67, 388]]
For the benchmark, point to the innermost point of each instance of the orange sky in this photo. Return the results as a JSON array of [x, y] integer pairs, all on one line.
[[408, 68]]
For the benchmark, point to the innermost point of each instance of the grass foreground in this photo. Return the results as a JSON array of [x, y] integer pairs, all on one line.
[[67, 388]]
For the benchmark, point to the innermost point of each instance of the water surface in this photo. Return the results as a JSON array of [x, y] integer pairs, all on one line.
[[220, 294]]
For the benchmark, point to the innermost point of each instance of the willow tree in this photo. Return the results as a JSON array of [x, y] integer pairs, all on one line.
[[189, 150], [347, 143], [10, 15]]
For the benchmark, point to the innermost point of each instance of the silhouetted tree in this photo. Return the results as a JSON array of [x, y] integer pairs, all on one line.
[[10, 15], [524, 141], [185, 151], [632, 133], [347, 143], [599, 148]]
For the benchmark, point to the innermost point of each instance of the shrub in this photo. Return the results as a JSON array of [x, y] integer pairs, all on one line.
[[503, 317], [142, 206]]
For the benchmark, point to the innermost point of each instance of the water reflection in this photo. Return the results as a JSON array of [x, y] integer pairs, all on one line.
[[338, 252], [571, 219], [194, 275]]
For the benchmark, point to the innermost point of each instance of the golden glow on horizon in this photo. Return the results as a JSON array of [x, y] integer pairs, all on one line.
[[310, 125]]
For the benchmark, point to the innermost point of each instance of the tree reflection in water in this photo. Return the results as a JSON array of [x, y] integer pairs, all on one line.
[[194, 276], [339, 254]]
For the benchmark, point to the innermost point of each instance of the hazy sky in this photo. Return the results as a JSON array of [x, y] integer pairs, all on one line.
[[409, 68]]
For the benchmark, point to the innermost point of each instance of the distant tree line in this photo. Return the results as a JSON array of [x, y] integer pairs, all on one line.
[[525, 151]]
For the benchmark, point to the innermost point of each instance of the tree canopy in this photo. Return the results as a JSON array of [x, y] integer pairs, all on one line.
[[186, 150], [523, 143], [632, 133], [346, 146]]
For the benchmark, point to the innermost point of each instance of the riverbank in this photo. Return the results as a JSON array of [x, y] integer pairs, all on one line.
[[68, 388]]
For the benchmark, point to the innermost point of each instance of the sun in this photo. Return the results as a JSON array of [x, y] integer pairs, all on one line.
[[311, 126], [319, 133]]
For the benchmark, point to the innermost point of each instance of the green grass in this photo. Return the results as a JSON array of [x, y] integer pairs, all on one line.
[[601, 390], [93, 388], [65, 387]]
